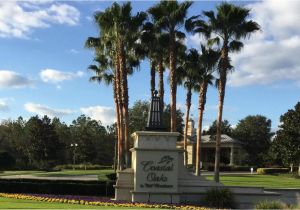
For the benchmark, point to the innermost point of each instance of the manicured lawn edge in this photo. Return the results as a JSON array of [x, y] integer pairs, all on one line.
[[111, 203]]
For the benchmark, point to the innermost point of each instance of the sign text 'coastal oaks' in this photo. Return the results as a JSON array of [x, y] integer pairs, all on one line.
[[158, 172]]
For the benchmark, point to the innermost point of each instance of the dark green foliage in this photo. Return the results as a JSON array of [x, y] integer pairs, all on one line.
[[210, 167], [138, 116], [13, 140], [272, 170], [285, 148], [43, 145], [225, 128], [94, 146], [179, 119], [7, 161], [81, 167], [58, 187], [219, 198], [112, 176], [270, 205], [255, 133]]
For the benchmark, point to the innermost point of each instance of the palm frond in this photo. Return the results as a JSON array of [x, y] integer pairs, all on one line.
[[235, 46]]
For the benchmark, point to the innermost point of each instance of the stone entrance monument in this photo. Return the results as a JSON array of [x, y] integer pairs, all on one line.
[[158, 174]]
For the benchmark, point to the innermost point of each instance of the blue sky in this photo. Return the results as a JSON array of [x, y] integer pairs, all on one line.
[[43, 68]]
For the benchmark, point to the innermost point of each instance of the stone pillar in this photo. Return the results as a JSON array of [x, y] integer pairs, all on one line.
[[232, 160], [155, 161]]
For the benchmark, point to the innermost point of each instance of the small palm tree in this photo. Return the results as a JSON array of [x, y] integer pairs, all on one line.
[[169, 16], [225, 28]]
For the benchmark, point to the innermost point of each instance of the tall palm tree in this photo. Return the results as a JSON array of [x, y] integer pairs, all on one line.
[[226, 28], [153, 45], [169, 16], [107, 70], [126, 29], [148, 48], [190, 66], [208, 60], [119, 32]]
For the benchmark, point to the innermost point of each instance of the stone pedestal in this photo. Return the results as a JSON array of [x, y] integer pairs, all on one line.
[[158, 175], [155, 164]]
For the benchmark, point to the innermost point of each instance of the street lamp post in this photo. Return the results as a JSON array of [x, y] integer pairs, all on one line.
[[74, 146]]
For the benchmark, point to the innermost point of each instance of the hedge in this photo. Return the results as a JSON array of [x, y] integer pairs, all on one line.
[[81, 167], [210, 167], [272, 170], [58, 187]]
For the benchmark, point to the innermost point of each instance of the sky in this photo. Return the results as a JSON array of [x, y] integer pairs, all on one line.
[[43, 63]]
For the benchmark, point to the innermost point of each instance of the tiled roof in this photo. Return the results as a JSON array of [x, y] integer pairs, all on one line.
[[209, 139]]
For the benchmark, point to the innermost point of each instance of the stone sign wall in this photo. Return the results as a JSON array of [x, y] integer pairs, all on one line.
[[157, 171]]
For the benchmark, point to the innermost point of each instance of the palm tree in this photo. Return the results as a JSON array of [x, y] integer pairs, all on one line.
[[226, 28], [119, 32], [169, 16], [126, 30], [107, 71], [190, 66], [148, 48], [153, 45], [208, 59]]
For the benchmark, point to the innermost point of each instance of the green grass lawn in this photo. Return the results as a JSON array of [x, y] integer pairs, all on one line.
[[74, 173], [64, 173], [267, 181], [9, 173], [11, 203]]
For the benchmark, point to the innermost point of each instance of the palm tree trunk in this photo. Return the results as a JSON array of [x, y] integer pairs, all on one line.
[[161, 90], [118, 122], [152, 75], [173, 84], [119, 112], [223, 65], [202, 101], [121, 140], [187, 115], [124, 87]]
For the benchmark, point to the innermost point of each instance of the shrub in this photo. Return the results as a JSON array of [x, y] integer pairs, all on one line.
[[7, 161], [272, 170], [81, 167], [210, 167], [112, 176], [270, 205], [219, 198], [58, 187]]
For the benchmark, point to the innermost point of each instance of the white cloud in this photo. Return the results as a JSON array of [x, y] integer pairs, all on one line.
[[272, 55], [18, 18], [205, 127], [89, 18], [106, 115], [3, 104], [181, 106], [56, 76], [73, 51], [196, 40], [45, 110], [11, 79]]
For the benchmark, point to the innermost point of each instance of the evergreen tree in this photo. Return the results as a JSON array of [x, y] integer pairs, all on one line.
[[286, 145]]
